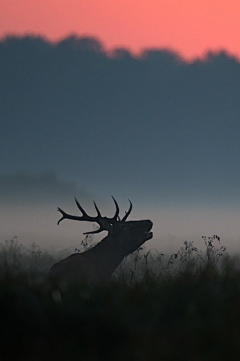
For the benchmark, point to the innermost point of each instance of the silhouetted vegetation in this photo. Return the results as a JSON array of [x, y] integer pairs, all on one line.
[[185, 306]]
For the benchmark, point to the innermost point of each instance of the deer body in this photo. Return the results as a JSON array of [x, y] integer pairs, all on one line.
[[95, 266]]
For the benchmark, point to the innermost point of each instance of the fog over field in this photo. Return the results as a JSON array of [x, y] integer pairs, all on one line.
[[79, 121], [29, 209]]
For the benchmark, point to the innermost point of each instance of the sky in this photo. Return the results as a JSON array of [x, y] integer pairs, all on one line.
[[189, 27], [139, 122]]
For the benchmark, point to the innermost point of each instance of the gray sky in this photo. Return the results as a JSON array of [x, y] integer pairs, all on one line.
[[155, 129]]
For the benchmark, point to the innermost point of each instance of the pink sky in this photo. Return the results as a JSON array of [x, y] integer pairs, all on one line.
[[188, 26]]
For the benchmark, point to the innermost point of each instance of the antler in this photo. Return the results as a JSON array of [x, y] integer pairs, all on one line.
[[128, 212], [105, 223]]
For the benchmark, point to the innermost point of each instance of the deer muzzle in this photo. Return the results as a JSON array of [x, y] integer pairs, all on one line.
[[148, 234]]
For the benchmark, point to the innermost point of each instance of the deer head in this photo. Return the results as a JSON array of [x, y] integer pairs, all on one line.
[[112, 225]]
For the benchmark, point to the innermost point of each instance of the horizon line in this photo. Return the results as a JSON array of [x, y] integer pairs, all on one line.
[[109, 50]]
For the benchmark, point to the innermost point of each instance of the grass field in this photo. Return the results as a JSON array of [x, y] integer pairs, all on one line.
[[184, 306]]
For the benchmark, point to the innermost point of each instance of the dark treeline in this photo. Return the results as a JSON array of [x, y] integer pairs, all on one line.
[[82, 74], [172, 116], [78, 75]]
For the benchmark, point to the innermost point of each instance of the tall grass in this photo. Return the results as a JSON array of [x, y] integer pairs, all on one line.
[[184, 306], [18, 262]]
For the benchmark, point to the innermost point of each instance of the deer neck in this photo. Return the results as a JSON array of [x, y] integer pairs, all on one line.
[[108, 252]]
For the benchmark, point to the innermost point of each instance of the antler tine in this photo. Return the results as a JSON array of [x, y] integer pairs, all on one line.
[[128, 212], [84, 217], [98, 212], [116, 215], [97, 231], [117, 209], [80, 207], [64, 215], [69, 216]]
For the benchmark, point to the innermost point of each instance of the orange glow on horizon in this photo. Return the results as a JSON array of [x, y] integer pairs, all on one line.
[[189, 27]]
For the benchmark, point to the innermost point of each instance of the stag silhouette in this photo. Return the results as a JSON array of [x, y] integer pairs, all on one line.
[[96, 265]]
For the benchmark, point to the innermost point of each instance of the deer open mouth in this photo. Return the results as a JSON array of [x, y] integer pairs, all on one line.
[[148, 234]]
